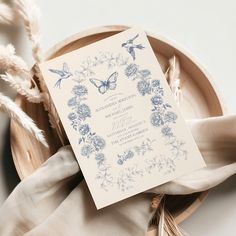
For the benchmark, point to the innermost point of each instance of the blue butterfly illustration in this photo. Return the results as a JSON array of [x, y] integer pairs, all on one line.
[[63, 74], [130, 46], [103, 86]]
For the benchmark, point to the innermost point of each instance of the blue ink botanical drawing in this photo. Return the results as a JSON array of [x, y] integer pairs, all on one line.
[[146, 146], [104, 58], [125, 156], [128, 176], [105, 85], [161, 115], [163, 164], [80, 111], [103, 175], [130, 46], [132, 71], [92, 145], [90, 141], [63, 74], [139, 150]]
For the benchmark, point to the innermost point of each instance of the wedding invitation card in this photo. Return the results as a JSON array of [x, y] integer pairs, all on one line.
[[120, 117]]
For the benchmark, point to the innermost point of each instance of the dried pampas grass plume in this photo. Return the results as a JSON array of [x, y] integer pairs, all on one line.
[[173, 73], [163, 220], [7, 14], [13, 64], [17, 74], [15, 113], [23, 87], [29, 13]]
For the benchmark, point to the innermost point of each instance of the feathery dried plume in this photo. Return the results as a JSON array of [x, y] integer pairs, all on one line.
[[170, 225], [173, 78], [23, 87], [7, 14], [15, 69], [29, 12], [167, 225], [13, 64], [162, 219], [15, 113], [161, 223]]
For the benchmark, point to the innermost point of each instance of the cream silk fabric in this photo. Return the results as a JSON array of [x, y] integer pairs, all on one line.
[[55, 201]]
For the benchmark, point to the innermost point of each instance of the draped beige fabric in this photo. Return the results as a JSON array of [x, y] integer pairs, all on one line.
[[47, 203]]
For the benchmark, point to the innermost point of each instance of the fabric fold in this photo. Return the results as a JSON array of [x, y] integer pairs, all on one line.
[[45, 204]]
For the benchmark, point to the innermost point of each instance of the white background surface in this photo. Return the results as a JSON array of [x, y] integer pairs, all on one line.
[[205, 28]]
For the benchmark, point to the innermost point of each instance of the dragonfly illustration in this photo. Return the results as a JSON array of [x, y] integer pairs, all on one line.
[[63, 74], [105, 85], [130, 46]]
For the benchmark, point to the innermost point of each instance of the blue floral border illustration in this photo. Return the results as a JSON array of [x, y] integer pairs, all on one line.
[[161, 117], [161, 114], [140, 150]]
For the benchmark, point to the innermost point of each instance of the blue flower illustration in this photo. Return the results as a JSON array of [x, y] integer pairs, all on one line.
[[166, 131], [72, 102], [83, 111], [155, 83], [98, 142], [157, 100], [125, 156], [84, 129], [100, 156], [144, 87], [131, 70], [86, 150], [130, 154], [156, 119], [120, 162], [72, 116], [79, 90], [143, 73], [170, 116]]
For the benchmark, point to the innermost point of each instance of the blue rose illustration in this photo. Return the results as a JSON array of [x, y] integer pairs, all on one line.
[[83, 111], [72, 102], [79, 90], [155, 83], [86, 150], [129, 154], [72, 116], [120, 162], [157, 100], [156, 119], [84, 129], [166, 131], [98, 142], [131, 70], [100, 158], [170, 116], [144, 87]]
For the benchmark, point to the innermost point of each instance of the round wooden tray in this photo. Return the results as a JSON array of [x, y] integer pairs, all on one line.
[[200, 99]]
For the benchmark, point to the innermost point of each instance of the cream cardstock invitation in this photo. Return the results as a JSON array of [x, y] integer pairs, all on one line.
[[120, 117]]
